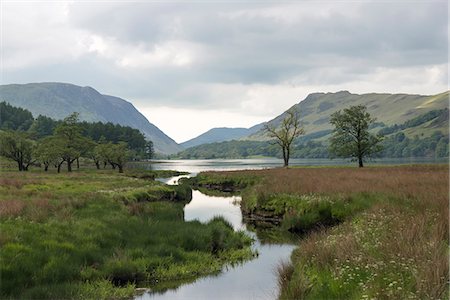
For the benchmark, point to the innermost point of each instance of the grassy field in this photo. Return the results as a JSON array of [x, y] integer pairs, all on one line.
[[371, 233], [95, 234]]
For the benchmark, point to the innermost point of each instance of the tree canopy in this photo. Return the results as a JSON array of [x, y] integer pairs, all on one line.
[[351, 137]]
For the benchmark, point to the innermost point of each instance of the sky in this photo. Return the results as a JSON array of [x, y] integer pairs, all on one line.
[[189, 66]]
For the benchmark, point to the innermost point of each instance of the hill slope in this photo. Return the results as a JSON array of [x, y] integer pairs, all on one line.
[[390, 109], [221, 134], [58, 100]]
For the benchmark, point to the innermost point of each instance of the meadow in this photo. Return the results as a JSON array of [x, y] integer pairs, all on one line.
[[97, 234], [367, 233]]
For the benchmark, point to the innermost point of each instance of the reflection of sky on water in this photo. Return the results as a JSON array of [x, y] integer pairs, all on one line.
[[254, 279], [204, 208], [195, 166]]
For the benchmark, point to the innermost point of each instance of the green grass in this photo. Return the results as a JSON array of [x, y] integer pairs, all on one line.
[[97, 234]]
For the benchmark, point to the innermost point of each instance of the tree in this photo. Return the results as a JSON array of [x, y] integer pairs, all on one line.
[[48, 152], [69, 135], [351, 136], [114, 154], [15, 146], [148, 150], [284, 135], [118, 155], [14, 118]]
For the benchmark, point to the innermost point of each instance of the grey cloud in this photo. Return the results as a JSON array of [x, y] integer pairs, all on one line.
[[247, 43]]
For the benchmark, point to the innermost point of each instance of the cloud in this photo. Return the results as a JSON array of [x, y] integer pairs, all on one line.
[[248, 58]]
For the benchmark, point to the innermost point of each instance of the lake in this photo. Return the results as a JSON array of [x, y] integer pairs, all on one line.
[[195, 166]]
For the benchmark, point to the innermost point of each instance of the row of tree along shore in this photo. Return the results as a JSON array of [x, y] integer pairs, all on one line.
[[47, 142]]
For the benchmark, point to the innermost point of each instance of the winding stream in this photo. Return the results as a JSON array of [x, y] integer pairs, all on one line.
[[254, 279]]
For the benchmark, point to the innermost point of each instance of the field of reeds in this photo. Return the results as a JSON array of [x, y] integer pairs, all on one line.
[[97, 234], [371, 233]]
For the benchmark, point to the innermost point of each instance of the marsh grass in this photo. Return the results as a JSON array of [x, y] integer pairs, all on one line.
[[392, 239], [97, 234]]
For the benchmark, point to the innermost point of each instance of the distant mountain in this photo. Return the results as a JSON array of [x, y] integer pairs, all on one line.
[[58, 100], [221, 134], [389, 109]]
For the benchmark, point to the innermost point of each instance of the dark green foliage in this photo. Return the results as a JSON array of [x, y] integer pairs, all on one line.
[[351, 137], [14, 118], [399, 145], [414, 122], [15, 146], [114, 133], [230, 149], [43, 126]]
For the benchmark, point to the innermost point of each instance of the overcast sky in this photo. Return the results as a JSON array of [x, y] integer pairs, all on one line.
[[190, 66]]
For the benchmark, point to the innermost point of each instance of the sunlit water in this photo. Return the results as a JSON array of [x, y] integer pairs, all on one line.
[[254, 279], [195, 166]]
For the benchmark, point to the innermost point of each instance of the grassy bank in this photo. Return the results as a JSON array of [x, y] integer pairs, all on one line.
[[369, 233], [97, 234]]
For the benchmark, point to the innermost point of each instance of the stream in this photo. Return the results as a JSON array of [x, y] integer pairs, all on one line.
[[253, 279]]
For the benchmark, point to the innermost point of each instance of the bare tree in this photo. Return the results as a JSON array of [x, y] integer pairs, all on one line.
[[286, 132]]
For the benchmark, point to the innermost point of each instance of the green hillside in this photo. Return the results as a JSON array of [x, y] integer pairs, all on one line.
[[389, 109], [412, 126], [58, 100]]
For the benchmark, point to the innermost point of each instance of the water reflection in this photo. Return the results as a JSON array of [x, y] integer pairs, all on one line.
[[195, 166], [254, 279]]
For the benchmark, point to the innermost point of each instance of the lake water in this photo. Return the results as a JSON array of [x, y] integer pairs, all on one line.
[[198, 165]]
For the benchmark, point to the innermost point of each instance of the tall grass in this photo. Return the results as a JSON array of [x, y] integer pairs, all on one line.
[[393, 237], [95, 235]]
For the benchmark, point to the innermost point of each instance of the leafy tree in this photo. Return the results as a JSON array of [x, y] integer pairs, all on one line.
[[48, 152], [14, 118], [114, 154], [15, 146], [351, 136], [118, 155], [289, 129], [72, 142], [148, 150], [43, 126]]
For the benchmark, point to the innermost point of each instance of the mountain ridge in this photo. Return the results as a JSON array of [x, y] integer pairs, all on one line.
[[57, 100], [315, 110], [221, 134]]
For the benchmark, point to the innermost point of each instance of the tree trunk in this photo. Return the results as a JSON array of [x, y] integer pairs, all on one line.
[[45, 167], [69, 166], [97, 164], [59, 166], [360, 162], [285, 157], [19, 163], [113, 166], [120, 168], [78, 164]]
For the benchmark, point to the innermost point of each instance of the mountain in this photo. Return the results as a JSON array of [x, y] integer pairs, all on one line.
[[389, 109], [412, 126], [221, 134], [58, 100]]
